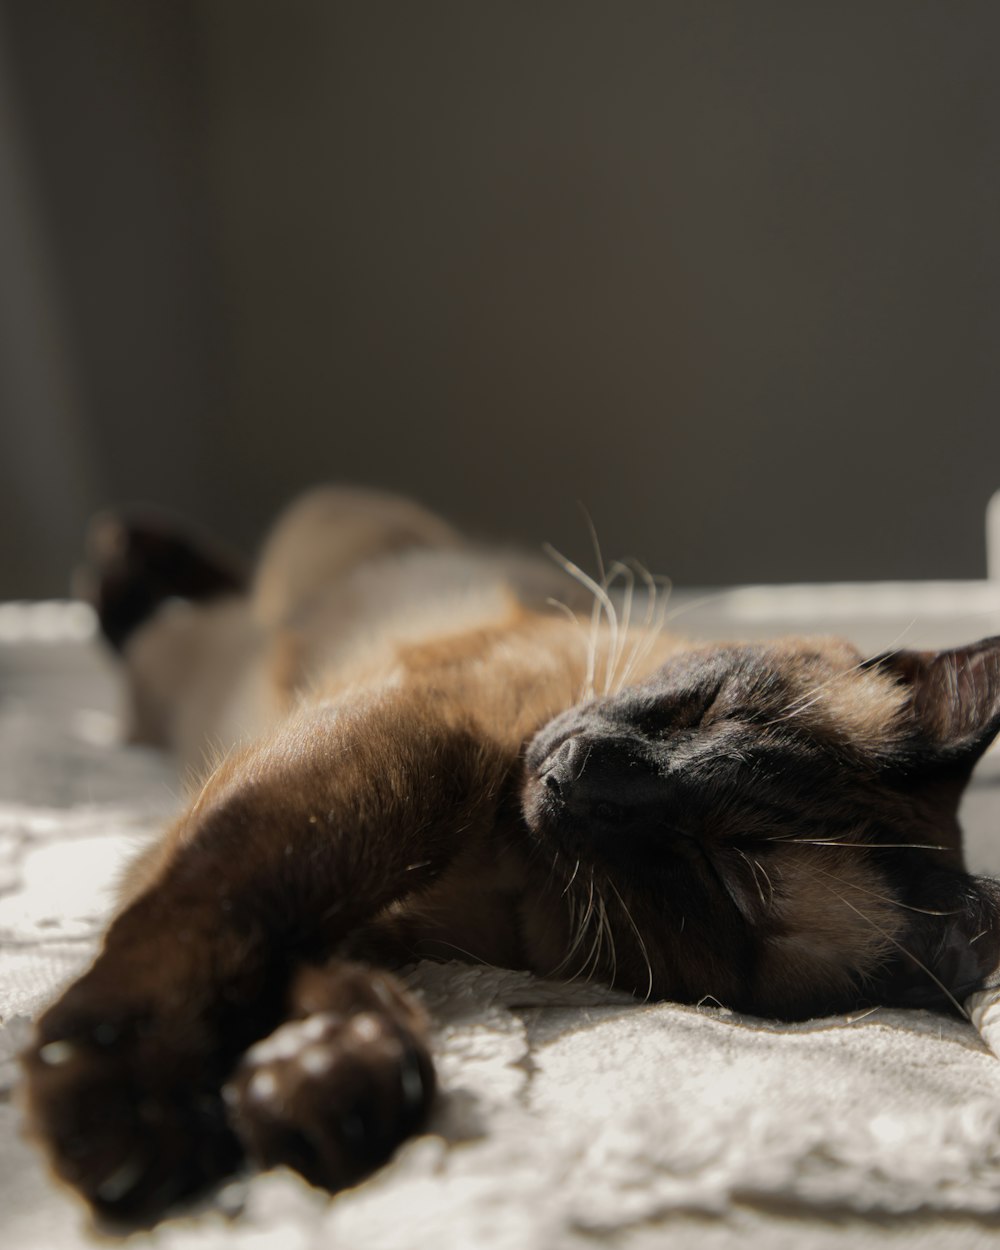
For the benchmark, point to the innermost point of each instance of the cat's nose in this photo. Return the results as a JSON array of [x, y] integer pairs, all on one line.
[[565, 766], [605, 778]]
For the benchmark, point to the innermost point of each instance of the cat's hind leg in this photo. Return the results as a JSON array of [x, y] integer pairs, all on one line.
[[134, 562], [172, 605]]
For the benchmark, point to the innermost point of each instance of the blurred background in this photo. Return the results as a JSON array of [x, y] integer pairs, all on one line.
[[728, 273]]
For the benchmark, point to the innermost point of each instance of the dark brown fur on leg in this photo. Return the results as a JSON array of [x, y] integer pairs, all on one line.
[[123, 1082], [286, 851]]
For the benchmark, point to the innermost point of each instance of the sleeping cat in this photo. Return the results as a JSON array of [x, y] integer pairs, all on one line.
[[424, 748]]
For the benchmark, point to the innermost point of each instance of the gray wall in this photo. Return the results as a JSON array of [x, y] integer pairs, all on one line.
[[727, 272]]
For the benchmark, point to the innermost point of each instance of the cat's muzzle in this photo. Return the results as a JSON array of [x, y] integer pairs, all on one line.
[[593, 791]]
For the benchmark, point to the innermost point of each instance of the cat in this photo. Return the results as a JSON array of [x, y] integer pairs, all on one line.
[[427, 748]]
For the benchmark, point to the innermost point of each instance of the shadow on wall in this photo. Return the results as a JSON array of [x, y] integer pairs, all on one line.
[[724, 272]]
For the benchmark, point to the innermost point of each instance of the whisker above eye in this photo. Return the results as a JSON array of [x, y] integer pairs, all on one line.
[[585, 637], [618, 569], [602, 600], [806, 700], [653, 626], [592, 529], [644, 635]]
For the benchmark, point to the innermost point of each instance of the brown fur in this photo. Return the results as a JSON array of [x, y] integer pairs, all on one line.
[[411, 760]]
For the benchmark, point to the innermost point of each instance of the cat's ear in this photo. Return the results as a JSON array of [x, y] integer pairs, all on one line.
[[954, 703], [952, 948]]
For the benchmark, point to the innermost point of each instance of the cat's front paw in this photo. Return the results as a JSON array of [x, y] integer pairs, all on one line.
[[332, 1095], [124, 1120]]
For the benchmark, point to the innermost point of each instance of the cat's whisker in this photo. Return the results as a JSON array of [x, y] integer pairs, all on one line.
[[553, 868], [555, 972], [606, 927], [611, 944], [595, 541], [646, 643], [746, 858], [861, 846], [908, 953], [694, 603], [581, 934], [756, 865], [767, 878], [809, 697], [569, 883], [805, 700], [792, 707], [649, 581], [566, 610], [603, 928], [595, 627], [593, 915], [638, 937], [602, 577], [585, 638], [643, 634], [651, 593], [891, 650], [883, 898], [470, 955], [602, 600], [856, 1019], [802, 707], [620, 569], [581, 929], [607, 579], [592, 962]]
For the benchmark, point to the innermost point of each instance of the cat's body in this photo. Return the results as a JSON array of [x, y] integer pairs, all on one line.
[[420, 756]]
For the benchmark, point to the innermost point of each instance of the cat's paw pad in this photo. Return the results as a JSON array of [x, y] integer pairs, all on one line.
[[332, 1095], [132, 1137]]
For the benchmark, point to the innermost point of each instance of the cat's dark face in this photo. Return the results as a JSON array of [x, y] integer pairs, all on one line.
[[774, 827]]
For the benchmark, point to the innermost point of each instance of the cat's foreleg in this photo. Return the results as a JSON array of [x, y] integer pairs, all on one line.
[[288, 849]]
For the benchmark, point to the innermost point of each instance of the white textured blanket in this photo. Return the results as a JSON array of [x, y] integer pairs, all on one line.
[[570, 1116]]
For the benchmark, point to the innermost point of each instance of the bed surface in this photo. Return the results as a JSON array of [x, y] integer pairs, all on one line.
[[571, 1117]]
